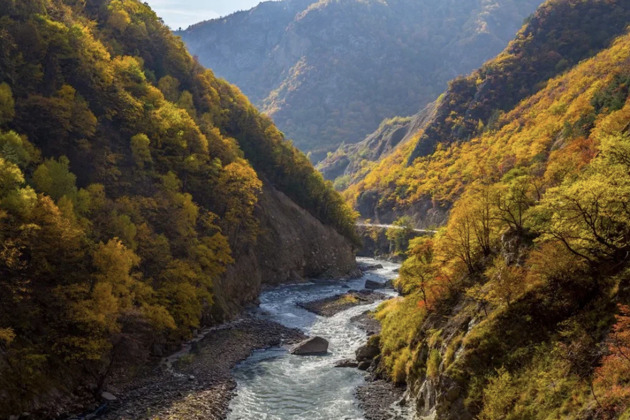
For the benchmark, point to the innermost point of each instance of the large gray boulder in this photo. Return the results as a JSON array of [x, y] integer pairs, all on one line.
[[311, 347]]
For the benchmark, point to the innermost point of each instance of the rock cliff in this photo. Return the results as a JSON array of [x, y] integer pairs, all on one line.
[[293, 246]]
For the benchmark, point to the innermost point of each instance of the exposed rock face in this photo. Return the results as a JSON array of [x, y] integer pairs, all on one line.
[[293, 246], [311, 347], [364, 365], [350, 160], [367, 323]]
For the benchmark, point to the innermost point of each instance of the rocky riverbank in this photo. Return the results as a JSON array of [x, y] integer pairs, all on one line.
[[367, 323], [379, 398], [199, 385], [382, 400]]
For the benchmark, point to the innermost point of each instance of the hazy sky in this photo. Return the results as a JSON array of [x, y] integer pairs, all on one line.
[[182, 13]]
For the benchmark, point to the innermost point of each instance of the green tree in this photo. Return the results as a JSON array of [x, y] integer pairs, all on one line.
[[53, 177], [141, 151], [400, 234], [7, 104]]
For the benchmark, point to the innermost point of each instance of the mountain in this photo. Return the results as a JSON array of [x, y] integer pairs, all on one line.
[[349, 164], [140, 199], [328, 72], [519, 306], [411, 180]]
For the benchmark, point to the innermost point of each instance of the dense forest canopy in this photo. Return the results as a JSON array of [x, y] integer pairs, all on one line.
[[556, 37], [518, 307], [129, 179]]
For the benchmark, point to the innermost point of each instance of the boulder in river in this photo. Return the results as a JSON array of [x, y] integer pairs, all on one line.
[[369, 267], [311, 347], [347, 363], [373, 285]]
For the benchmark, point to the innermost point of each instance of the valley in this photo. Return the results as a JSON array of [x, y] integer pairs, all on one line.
[[421, 214]]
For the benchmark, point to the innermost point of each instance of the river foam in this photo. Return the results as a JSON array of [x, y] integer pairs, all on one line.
[[275, 385]]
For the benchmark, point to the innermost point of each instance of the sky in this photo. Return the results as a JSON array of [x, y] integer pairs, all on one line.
[[182, 13]]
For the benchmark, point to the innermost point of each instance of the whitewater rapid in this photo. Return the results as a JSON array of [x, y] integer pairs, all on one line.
[[275, 385]]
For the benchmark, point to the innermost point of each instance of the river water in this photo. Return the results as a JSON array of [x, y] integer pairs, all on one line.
[[275, 385]]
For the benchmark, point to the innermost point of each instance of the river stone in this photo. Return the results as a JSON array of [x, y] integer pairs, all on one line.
[[108, 397], [364, 365], [346, 363], [369, 267], [367, 353], [373, 285], [310, 347]]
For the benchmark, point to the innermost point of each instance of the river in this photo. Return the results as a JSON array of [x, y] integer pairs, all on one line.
[[275, 385]]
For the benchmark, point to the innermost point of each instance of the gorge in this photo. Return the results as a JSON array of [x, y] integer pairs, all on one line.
[[165, 249]]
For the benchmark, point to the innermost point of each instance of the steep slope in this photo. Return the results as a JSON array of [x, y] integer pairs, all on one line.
[[349, 164], [328, 72], [140, 198], [413, 180], [518, 307]]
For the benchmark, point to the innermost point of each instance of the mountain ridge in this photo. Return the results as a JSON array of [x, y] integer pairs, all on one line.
[[337, 69], [470, 97]]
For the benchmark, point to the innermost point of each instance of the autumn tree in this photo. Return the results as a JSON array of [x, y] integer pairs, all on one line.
[[241, 187], [513, 200], [471, 230], [400, 234], [508, 281], [420, 270], [591, 216]]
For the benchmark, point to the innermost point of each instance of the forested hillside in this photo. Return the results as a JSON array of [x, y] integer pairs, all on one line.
[[140, 197], [555, 38], [518, 308], [328, 72], [417, 179]]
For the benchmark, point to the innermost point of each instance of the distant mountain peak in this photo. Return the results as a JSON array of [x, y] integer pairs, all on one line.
[[366, 60]]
